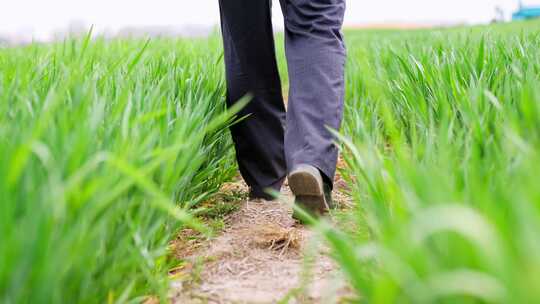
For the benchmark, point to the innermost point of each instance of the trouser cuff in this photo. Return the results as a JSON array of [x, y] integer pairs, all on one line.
[[258, 192]]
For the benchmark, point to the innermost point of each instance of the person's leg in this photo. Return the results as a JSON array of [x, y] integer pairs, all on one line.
[[251, 68], [316, 57]]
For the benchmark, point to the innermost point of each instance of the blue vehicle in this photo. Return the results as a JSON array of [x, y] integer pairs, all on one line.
[[526, 12]]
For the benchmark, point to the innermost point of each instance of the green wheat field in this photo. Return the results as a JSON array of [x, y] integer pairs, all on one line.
[[108, 148]]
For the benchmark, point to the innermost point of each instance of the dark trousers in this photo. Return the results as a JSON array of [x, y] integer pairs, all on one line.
[[270, 142]]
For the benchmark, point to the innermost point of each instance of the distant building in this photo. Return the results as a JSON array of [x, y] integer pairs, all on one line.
[[526, 12]]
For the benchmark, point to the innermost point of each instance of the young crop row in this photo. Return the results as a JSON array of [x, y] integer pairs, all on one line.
[[442, 143], [103, 147]]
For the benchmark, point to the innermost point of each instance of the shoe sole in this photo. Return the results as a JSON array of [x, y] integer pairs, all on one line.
[[307, 186]]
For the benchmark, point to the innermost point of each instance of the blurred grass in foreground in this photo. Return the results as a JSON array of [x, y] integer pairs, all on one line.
[[103, 147], [442, 142]]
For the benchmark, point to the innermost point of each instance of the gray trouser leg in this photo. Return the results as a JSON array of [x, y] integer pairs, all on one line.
[[316, 58], [251, 67]]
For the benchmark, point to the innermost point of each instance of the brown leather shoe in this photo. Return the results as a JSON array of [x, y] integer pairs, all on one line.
[[310, 191]]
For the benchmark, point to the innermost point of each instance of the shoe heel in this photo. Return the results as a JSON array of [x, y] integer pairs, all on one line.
[[306, 181], [307, 186]]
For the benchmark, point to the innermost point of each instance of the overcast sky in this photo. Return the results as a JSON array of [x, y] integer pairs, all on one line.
[[39, 18]]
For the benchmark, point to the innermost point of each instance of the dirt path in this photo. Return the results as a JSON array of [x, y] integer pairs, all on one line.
[[261, 256]]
